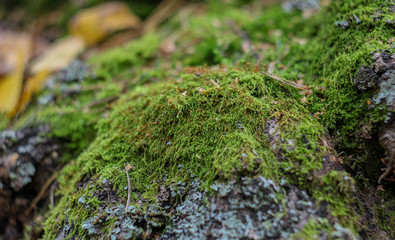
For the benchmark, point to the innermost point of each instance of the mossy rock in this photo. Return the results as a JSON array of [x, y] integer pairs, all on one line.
[[226, 144], [219, 126]]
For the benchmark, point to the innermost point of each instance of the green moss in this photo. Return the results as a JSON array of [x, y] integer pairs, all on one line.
[[121, 61], [3, 123], [386, 215], [332, 57], [312, 229], [215, 130], [214, 122]]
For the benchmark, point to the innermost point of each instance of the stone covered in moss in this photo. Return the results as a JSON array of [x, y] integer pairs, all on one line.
[[214, 125], [224, 124]]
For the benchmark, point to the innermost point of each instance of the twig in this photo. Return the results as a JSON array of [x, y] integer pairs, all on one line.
[[387, 171], [99, 102], [164, 10], [214, 83], [51, 196], [127, 175], [290, 83], [41, 193]]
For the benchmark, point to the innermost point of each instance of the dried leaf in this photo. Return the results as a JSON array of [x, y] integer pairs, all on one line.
[[59, 55], [96, 23], [33, 85], [15, 50], [10, 44], [11, 85]]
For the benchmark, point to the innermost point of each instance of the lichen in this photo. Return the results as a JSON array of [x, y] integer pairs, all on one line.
[[253, 208]]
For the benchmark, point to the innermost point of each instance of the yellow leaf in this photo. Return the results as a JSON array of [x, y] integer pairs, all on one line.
[[15, 50], [96, 23], [33, 85], [11, 85], [59, 55]]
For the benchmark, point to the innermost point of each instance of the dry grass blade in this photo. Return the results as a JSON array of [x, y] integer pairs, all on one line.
[[99, 102]]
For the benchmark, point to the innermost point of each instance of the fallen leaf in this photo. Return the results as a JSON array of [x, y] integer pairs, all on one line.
[[10, 44], [15, 50], [96, 23], [11, 84], [33, 85], [59, 55]]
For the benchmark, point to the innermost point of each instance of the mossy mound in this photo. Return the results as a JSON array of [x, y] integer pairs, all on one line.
[[219, 125], [177, 126]]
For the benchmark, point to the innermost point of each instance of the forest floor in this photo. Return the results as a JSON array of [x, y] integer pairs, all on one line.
[[206, 120]]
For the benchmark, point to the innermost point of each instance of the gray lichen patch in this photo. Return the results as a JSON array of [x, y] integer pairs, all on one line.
[[255, 208], [27, 160], [387, 88], [21, 152], [252, 208]]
